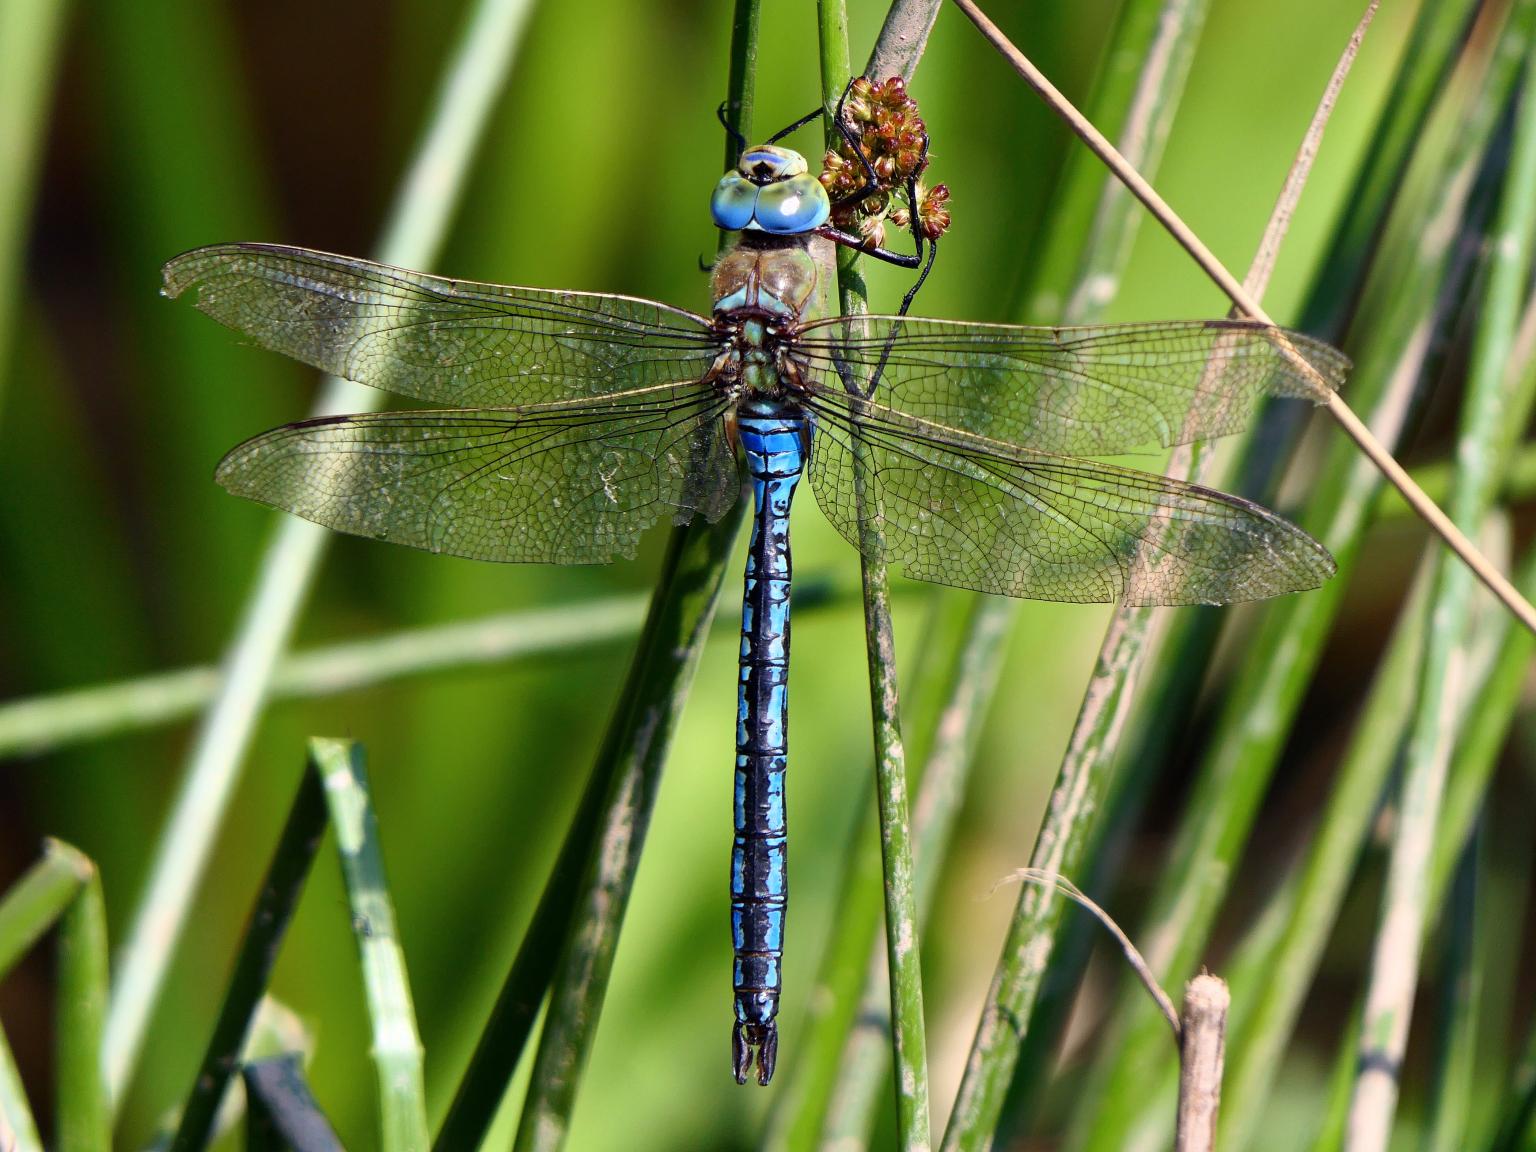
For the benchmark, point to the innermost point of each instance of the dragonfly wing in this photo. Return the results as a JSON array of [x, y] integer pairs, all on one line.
[[1083, 391], [444, 341], [956, 509], [557, 484]]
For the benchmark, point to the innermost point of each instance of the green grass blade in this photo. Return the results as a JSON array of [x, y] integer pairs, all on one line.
[[46, 723], [909, 1043], [1423, 72], [18, 1130], [1502, 955], [1330, 1134], [31, 32], [396, 1052], [1497, 399], [472, 79], [959, 661], [36, 901], [1276, 988], [568, 950], [1251, 731], [1164, 38], [1481, 738], [1461, 977], [1146, 63], [1517, 1121], [275, 904], [30, 726], [902, 40], [627, 774], [84, 1110], [1276, 991], [1427, 59]]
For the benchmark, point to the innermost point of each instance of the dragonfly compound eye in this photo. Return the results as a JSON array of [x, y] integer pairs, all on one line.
[[792, 206], [734, 202], [786, 207]]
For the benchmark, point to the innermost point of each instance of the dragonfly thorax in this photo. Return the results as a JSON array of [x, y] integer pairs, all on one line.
[[763, 289], [773, 277]]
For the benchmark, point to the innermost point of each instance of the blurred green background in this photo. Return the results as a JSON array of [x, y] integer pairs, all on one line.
[[178, 124]]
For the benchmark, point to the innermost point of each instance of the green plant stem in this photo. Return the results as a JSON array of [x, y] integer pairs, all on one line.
[[1288, 641], [1497, 399], [741, 82], [626, 777], [32, 725], [843, 1056], [31, 32], [46, 723], [1277, 984], [899, 47], [396, 1051], [946, 702], [18, 1130], [1330, 1133], [1428, 57], [264, 932], [1163, 38], [1276, 990], [84, 1113], [35, 902], [582, 910], [417, 223], [1517, 1120], [902, 40], [1461, 979], [1480, 740]]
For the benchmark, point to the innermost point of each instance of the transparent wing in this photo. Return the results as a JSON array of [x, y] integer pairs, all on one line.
[[444, 341], [956, 509], [557, 484], [1082, 391]]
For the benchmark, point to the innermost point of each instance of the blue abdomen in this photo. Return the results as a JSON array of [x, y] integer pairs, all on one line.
[[775, 442]]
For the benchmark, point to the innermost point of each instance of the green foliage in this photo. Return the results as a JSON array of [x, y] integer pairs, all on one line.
[[173, 126]]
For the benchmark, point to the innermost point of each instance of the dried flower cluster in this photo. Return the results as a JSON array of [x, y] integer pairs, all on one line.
[[884, 121]]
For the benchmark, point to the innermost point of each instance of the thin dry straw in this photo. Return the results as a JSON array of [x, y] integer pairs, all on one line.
[[1133, 956], [1353, 426], [1096, 735]]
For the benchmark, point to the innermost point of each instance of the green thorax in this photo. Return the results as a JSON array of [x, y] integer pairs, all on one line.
[[767, 284]]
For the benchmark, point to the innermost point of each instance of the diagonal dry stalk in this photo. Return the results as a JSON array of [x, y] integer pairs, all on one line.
[[1353, 426], [1133, 633]]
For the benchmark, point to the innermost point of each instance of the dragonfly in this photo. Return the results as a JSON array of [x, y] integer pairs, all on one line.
[[568, 423]]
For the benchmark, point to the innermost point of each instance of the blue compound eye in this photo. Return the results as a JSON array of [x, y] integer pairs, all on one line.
[[789, 207], [733, 202]]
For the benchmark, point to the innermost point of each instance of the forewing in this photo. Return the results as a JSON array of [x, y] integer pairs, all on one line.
[[963, 511], [445, 341], [557, 484], [1079, 391]]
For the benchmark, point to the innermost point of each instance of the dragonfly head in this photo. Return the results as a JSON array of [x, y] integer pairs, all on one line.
[[770, 190]]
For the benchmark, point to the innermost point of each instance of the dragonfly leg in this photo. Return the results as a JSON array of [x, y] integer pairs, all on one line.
[[819, 110], [737, 139]]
